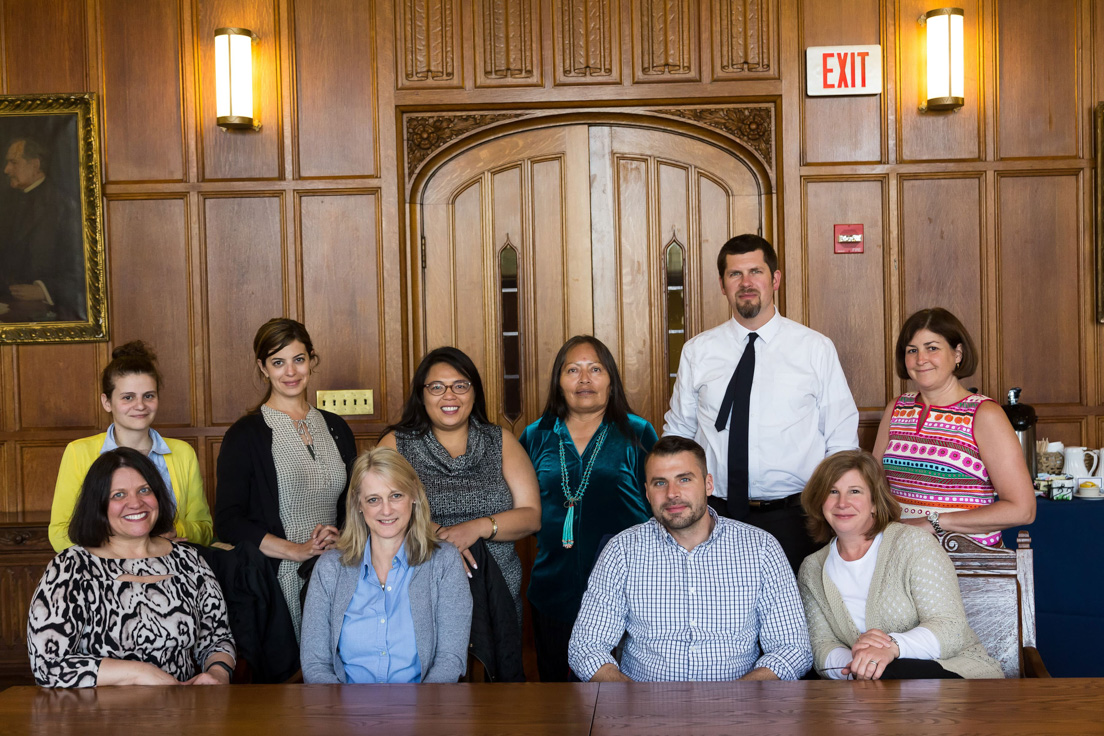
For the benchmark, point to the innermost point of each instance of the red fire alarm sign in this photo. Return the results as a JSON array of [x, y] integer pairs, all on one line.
[[849, 239]]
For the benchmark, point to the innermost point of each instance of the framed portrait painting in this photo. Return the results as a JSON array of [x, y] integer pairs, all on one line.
[[53, 287]]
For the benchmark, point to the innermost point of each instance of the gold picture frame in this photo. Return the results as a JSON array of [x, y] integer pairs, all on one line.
[[53, 283], [1098, 119]]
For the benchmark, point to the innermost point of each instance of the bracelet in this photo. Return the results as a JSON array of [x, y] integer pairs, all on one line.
[[494, 528], [219, 663], [895, 643]]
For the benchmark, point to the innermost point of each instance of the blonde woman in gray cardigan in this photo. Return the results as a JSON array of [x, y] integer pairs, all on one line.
[[391, 603], [881, 599]]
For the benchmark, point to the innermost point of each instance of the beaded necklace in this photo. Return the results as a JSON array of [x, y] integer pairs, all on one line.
[[572, 499]]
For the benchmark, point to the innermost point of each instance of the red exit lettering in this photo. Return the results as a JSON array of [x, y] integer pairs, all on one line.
[[855, 60]]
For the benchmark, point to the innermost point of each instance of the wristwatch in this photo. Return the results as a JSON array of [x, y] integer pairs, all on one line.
[[933, 519]]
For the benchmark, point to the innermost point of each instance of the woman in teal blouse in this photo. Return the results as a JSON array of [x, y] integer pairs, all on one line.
[[588, 449]]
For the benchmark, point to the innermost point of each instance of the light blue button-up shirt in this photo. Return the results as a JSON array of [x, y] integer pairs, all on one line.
[[156, 455], [712, 613], [377, 636]]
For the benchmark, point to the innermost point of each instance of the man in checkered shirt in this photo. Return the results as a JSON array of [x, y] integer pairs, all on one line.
[[700, 597]]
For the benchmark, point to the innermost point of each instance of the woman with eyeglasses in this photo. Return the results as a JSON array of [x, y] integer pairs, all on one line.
[[388, 564], [478, 479]]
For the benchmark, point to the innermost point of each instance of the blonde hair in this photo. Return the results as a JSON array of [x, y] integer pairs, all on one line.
[[421, 538]]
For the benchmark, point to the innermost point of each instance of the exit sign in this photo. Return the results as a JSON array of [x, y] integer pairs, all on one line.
[[843, 70]]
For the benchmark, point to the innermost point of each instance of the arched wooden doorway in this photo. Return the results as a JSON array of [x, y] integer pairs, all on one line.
[[612, 229]]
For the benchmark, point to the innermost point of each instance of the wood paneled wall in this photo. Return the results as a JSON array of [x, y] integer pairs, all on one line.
[[985, 210], [211, 232]]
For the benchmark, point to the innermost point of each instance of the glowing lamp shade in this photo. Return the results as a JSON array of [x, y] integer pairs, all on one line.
[[946, 57], [234, 78]]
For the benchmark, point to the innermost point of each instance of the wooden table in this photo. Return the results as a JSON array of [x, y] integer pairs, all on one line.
[[916, 708], [302, 710], [824, 708]]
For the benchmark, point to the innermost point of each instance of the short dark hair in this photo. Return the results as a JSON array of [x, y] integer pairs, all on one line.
[[32, 150], [947, 326], [670, 444], [830, 470], [89, 526], [414, 419], [746, 243], [128, 359], [272, 337], [617, 407]]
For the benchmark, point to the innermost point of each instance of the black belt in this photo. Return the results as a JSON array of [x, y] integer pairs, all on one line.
[[779, 503]]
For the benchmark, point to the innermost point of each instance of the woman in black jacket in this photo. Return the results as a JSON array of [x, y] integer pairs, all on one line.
[[283, 465]]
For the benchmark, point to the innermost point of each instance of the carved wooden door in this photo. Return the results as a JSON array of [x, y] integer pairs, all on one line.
[[611, 230]]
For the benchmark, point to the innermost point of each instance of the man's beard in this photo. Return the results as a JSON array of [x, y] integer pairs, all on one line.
[[749, 309], [686, 520]]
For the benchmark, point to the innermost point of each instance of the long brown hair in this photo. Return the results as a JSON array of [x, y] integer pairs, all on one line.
[[415, 418], [617, 405]]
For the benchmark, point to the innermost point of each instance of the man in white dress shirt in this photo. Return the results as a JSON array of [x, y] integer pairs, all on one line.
[[767, 415]]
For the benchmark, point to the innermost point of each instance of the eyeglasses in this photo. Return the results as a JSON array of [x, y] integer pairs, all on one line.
[[458, 387]]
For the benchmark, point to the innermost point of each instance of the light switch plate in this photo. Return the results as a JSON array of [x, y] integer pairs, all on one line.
[[352, 401]]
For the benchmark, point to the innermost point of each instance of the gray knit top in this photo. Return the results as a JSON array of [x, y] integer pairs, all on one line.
[[467, 487]]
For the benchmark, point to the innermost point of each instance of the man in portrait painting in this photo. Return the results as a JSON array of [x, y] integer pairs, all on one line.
[[41, 248]]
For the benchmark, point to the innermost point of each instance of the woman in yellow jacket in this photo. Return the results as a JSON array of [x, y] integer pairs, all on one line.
[[130, 384]]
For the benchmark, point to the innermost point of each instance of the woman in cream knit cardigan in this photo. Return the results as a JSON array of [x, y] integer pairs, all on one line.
[[881, 599]]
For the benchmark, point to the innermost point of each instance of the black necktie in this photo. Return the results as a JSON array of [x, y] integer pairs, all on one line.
[[736, 403]]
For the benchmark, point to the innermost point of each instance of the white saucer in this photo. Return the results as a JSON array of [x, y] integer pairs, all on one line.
[[1088, 498]]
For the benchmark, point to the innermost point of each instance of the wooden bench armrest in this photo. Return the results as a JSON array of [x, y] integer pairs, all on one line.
[[1033, 663]]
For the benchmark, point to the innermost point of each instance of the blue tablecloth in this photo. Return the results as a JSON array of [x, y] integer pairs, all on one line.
[[1069, 585]]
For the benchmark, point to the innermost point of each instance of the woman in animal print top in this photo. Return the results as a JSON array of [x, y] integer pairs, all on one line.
[[126, 606]]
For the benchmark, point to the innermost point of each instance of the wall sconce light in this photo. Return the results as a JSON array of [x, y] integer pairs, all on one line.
[[234, 78], [946, 57]]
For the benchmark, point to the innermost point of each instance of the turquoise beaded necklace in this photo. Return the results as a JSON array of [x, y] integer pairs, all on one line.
[[572, 499]]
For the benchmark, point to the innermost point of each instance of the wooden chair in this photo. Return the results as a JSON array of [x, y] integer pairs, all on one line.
[[998, 591]]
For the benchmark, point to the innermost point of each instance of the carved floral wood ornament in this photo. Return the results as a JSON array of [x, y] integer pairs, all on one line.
[[751, 125], [425, 134]]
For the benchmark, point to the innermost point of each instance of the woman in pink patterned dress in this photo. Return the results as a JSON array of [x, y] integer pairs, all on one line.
[[951, 457]]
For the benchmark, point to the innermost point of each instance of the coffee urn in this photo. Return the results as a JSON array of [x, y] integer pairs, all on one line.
[[1023, 420]]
